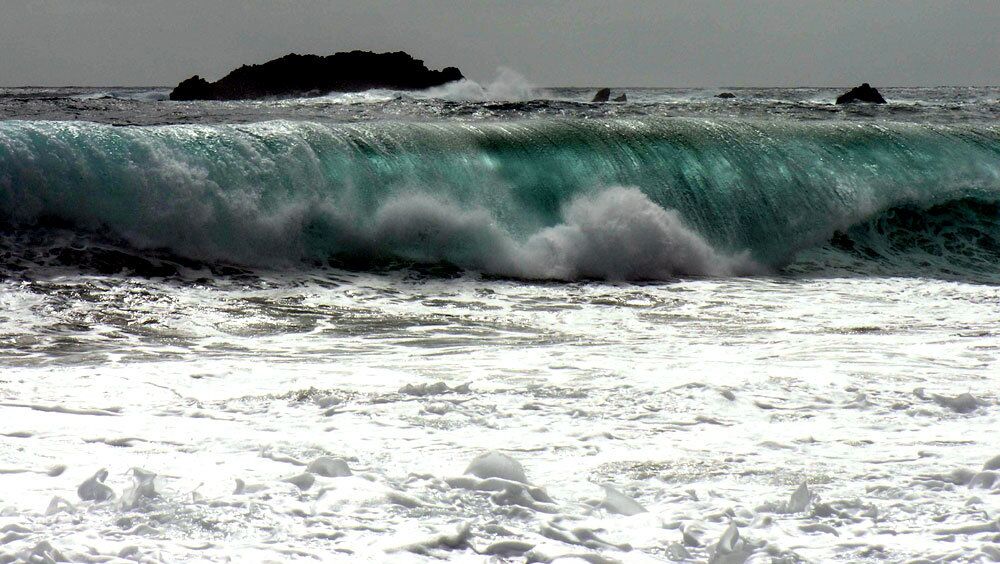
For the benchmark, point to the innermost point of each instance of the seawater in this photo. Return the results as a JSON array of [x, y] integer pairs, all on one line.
[[689, 329]]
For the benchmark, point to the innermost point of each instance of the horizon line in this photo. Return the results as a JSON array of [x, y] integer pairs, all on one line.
[[585, 86]]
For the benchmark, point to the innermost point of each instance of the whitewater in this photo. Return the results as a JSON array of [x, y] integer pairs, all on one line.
[[500, 323]]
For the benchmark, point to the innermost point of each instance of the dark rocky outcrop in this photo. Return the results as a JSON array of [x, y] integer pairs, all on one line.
[[603, 95], [863, 93], [622, 98], [298, 75], [194, 88], [726, 95]]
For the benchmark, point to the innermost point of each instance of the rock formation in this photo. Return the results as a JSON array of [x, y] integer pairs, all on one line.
[[726, 95], [603, 95], [299, 75], [863, 93]]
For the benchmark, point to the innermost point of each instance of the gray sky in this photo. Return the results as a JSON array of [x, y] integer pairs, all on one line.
[[552, 43]]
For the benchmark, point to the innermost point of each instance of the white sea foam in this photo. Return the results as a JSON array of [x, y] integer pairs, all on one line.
[[616, 234], [604, 398], [507, 85], [619, 234]]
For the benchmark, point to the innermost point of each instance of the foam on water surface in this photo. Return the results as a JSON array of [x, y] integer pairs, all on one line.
[[422, 418]]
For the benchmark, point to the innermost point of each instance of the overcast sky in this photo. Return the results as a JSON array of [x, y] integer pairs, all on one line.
[[552, 43]]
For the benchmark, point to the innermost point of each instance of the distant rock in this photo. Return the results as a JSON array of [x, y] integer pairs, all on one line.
[[725, 95], [603, 95], [863, 93], [194, 88], [622, 98], [298, 75]]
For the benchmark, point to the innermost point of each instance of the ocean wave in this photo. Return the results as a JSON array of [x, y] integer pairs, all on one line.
[[543, 199], [134, 94], [956, 239]]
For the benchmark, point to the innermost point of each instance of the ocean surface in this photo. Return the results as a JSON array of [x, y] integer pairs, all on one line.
[[500, 323]]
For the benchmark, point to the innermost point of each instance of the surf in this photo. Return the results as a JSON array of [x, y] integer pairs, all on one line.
[[623, 199]]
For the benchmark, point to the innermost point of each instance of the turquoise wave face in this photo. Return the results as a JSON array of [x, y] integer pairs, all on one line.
[[621, 199]]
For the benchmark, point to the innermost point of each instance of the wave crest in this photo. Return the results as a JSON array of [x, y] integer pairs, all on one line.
[[612, 199]]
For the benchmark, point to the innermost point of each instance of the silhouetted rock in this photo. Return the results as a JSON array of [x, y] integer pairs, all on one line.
[[602, 95], [622, 98], [297, 75], [725, 95], [863, 93], [194, 88]]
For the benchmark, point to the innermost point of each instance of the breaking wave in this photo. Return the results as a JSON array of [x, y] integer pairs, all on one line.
[[540, 199]]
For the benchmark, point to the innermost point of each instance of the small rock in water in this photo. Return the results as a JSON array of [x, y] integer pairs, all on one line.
[[94, 489], [617, 502], [863, 93], [602, 95], [497, 465], [725, 95], [329, 467]]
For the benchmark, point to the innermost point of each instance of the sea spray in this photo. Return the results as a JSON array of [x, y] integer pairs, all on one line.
[[508, 85]]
